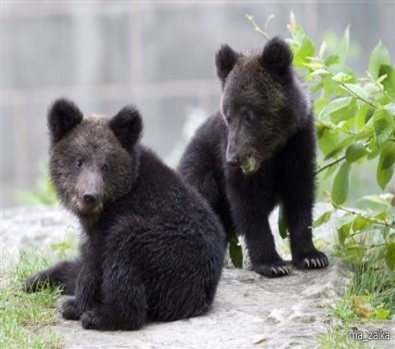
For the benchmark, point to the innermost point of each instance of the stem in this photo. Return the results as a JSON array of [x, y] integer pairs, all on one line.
[[374, 221], [257, 28], [358, 96], [334, 162]]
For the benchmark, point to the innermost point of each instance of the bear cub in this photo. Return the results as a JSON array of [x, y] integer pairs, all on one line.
[[152, 249], [257, 152]]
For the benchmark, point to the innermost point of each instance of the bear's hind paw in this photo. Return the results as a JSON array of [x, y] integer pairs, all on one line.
[[91, 320], [70, 310]]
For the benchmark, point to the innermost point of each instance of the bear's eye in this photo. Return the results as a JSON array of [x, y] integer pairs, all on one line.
[[105, 168], [78, 163]]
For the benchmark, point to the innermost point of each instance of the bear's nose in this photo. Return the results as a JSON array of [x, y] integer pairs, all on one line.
[[90, 198], [233, 160]]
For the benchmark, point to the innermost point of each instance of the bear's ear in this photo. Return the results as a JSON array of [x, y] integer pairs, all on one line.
[[127, 125], [277, 56], [225, 60], [63, 115]]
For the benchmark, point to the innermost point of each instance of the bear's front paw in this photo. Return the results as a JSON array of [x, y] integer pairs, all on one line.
[[31, 284], [36, 282], [272, 269], [70, 310], [311, 260]]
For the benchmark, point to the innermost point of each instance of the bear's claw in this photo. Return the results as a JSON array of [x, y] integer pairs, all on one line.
[[316, 260], [272, 270]]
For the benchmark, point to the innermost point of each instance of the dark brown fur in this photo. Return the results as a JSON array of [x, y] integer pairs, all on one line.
[[259, 152], [152, 249]]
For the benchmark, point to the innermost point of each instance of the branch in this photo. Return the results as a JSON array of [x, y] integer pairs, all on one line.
[[358, 96], [257, 28], [374, 221], [334, 162]]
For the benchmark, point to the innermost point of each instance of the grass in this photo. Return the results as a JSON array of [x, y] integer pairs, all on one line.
[[25, 318], [337, 338], [371, 296]]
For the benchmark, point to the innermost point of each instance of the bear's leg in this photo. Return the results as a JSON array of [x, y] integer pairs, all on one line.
[[62, 274], [87, 293], [248, 208], [124, 305], [299, 220], [296, 188], [262, 251]]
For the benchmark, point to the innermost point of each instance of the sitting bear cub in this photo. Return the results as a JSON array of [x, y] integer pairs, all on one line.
[[258, 151], [152, 248]]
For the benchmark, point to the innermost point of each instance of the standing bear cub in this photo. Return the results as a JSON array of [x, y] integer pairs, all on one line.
[[152, 248], [258, 151]]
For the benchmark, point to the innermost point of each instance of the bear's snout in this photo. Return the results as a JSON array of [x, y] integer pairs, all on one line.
[[90, 187], [90, 198]]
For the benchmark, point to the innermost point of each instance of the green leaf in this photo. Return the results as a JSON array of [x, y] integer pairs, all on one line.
[[363, 115], [378, 57], [342, 77], [355, 151], [382, 216], [335, 105], [340, 186], [235, 252], [355, 254], [343, 233], [383, 126], [390, 255], [322, 49], [282, 223], [360, 223], [344, 45], [374, 153], [322, 219], [374, 90], [381, 314], [389, 81], [385, 167], [346, 113], [319, 71], [329, 172], [390, 108], [346, 219], [305, 50], [357, 90], [343, 226], [328, 141], [366, 131], [386, 232], [332, 59], [339, 147]]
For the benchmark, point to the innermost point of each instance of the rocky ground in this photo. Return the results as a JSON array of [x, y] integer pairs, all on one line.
[[250, 311]]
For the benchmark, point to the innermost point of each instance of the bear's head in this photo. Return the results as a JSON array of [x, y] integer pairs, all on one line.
[[94, 160], [263, 103]]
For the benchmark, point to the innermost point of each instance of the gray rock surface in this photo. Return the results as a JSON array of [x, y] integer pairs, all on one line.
[[249, 311], [275, 313]]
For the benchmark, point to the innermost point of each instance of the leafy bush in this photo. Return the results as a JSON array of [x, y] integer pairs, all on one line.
[[355, 123]]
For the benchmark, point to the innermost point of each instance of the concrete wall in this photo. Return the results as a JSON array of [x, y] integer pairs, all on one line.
[[158, 55]]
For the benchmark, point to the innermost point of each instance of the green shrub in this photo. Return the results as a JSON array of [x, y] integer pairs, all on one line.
[[355, 124]]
